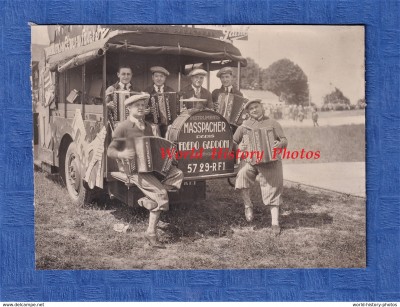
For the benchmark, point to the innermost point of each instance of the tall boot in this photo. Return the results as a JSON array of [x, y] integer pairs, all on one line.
[[248, 205], [276, 229], [151, 233]]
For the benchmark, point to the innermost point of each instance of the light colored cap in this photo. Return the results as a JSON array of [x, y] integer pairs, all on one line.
[[248, 103], [159, 69], [224, 70], [135, 98], [198, 71]]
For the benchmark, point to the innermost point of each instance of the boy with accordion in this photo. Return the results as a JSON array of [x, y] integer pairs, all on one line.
[[259, 131], [134, 128]]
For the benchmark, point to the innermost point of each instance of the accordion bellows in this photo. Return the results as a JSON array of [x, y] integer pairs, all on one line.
[[165, 107], [148, 156], [231, 107], [121, 112], [261, 139]]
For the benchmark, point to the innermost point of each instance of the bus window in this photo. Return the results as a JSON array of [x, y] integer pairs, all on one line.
[[73, 86], [94, 82]]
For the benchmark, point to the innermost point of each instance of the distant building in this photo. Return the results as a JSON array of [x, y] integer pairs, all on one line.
[[271, 103], [268, 98]]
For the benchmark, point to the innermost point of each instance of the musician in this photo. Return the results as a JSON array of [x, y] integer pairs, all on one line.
[[225, 74], [125, 75], [159, 76], [270, 174], [156, 196], [196, 90]]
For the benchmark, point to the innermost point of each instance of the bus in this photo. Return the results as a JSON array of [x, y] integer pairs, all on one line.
[[71, 124]]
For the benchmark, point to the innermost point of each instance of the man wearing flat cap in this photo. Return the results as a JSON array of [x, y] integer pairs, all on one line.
[[225, 74], [196, 90], [159, 76], [270, 174], [156, 196]]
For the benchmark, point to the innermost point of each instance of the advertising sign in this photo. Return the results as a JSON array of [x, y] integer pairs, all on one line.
[[203, 142]]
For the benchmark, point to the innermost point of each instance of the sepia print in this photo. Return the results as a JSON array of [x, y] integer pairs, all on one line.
[[199, 146]]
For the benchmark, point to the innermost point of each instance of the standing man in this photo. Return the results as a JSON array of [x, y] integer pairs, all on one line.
[[225, 74], [314, 117], [270, 174], [196, 90], [156, 196], [125, 75]]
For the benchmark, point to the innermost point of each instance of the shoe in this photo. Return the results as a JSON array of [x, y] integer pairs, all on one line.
[[153, 241], [147, 203], [276, 230], [162, 225], [248, 212]]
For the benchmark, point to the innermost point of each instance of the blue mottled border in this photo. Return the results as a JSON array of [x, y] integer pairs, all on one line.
[[380, 281]]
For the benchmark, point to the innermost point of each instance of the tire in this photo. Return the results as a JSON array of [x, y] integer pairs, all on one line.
[[232, 181], [79, 193]]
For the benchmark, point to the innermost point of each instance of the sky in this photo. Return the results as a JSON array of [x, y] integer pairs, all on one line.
[[39, 35], [330, 56]]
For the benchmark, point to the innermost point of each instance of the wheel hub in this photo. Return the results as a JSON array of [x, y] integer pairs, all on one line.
[[74, 173]]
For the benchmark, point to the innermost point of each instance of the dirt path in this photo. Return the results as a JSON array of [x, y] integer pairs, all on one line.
[[343, 177], [329, 121]]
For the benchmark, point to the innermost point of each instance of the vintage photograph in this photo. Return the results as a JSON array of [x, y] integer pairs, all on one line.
[[198, 146]]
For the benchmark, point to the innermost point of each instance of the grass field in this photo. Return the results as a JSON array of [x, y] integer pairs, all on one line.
[[336, 143], [320, 229]]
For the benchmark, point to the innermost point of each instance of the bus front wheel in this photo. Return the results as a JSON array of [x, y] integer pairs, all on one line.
[[78, 192]]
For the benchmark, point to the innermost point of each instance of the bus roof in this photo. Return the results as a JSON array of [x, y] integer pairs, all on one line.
[[191, 44]]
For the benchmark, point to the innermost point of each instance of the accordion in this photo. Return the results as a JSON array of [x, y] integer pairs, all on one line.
[[120, 113], [261, 140], [231, 107], [148, 156], [165, 107]]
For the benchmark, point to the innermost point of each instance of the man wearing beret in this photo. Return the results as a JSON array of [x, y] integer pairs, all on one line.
[[226, 76], [156, 196], [196, 90], [270, 174]]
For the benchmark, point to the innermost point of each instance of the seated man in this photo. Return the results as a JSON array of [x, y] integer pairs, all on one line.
[[195, 89], [156, 199], [159, 76], [270, 174], [124, 84], [226, 76]]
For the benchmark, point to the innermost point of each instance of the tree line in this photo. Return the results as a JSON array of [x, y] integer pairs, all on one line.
[[289, 82], [283, 78]]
